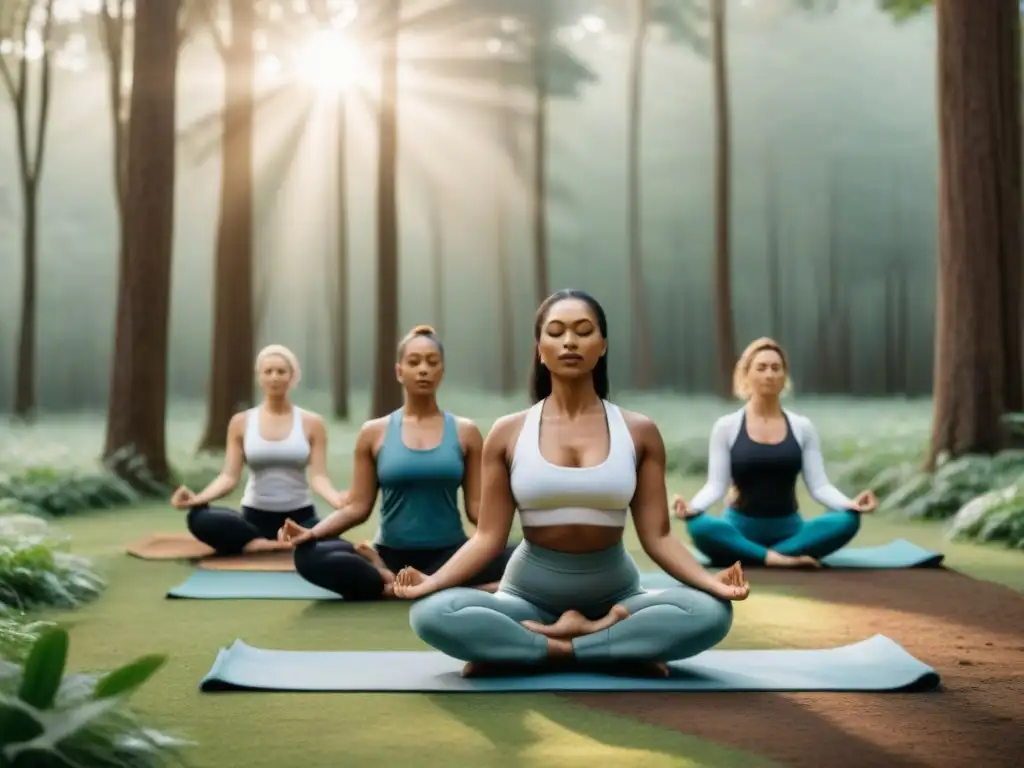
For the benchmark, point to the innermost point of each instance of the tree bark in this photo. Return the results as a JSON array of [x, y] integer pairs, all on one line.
[[437, 246], [725, 335], [135, 442], [539, 199], [642, 373], [509, 141], [231, 372], [30, 165], [386, 393], [340, 378], [978, 334]]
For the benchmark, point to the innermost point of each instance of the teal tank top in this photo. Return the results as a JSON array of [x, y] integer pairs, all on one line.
[[419, 490]]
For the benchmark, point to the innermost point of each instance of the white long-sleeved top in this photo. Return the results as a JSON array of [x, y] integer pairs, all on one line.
[[723, 436]]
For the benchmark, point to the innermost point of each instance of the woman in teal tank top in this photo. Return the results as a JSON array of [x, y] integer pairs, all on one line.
[[418, 457]]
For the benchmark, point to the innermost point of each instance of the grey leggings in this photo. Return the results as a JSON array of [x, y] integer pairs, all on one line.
[[541, 584]]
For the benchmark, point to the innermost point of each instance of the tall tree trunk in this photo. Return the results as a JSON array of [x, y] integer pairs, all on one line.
[[539, 199], [386, 394], [978, 339], [638, 294], [135, 443], [774, 247], [30, 165], [509, 143], [436, 218], [231, 375], [725, 335], [339, 384]]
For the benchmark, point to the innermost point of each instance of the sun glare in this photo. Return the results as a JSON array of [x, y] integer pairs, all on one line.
[[331, 62]]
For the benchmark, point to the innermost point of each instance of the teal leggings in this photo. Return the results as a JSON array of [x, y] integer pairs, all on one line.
[[734, 536], [540, 584]]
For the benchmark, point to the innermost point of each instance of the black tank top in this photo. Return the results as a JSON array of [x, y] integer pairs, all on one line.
[[765, 475]]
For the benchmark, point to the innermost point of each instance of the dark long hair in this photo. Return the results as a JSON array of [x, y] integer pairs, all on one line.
[[540, 376]]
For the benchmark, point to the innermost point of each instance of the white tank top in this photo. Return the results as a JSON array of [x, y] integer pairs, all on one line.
[[547, 494], [277, 468]]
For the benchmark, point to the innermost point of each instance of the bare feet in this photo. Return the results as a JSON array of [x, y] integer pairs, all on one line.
[[366, 551], [774, 560], [574, 624]]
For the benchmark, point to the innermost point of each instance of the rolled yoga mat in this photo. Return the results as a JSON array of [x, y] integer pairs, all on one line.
[[898, 553], [877, 664]]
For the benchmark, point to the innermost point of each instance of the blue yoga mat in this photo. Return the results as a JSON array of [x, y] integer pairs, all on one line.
[[288, 585], [898, 553], [877, 664], [249, 585]]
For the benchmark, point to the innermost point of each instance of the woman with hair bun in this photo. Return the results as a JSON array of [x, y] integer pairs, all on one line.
[[762, 449], [418, 457], [285, 449]]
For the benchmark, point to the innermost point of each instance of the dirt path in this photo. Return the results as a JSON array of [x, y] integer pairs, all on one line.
[[971, 632]]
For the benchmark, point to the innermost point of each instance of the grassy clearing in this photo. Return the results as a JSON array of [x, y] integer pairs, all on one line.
[[132, 618]]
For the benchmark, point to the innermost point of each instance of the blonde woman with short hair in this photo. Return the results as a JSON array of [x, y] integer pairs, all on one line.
[[285, 450]]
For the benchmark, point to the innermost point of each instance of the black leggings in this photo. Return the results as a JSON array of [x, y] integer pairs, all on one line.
[[229, 532], [336, 566]]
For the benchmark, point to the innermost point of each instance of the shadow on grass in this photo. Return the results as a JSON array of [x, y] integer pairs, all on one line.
[[481, 713]]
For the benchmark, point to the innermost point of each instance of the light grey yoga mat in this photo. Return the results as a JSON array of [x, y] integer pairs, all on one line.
[[877, 664]]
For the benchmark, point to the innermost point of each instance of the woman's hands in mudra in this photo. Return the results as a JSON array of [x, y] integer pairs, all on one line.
[[411, 584]]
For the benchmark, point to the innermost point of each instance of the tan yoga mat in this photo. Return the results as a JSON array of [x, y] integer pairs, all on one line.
[[182, 546], [169, 546], [261, 561]]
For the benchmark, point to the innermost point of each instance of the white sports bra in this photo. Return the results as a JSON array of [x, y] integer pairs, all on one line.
[[547, 494]]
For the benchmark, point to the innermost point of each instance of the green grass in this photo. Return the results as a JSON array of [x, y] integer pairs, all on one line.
[[273, 729], [132, 618]]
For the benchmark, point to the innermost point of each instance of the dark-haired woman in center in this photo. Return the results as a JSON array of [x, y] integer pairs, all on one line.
[[418, 457], [574, 465]]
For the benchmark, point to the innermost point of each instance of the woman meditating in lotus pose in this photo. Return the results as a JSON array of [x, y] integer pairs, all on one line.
[[761, 449], [280, 443], [572, 464], [419, 456]]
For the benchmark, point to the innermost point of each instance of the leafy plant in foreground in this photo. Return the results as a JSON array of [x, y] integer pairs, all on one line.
[[17, 634], [36, 570], [49, 720]]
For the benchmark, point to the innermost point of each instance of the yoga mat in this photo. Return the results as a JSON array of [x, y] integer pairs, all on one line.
[[260, 561], [169, 546], [248, 585], [877, 664], [898, 553], [269, 585]]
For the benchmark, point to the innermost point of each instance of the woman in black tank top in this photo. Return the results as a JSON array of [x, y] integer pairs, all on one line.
[[761, 450]]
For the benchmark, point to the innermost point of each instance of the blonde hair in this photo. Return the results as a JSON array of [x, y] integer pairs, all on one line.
[[279, 350], [740, 386], [424, 331]]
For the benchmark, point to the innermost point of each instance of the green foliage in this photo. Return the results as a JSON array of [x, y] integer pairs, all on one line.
[[994, 516], [904, 10], [50, 720], [959, 490], [36, 569], [17, 634], [57, 491]]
